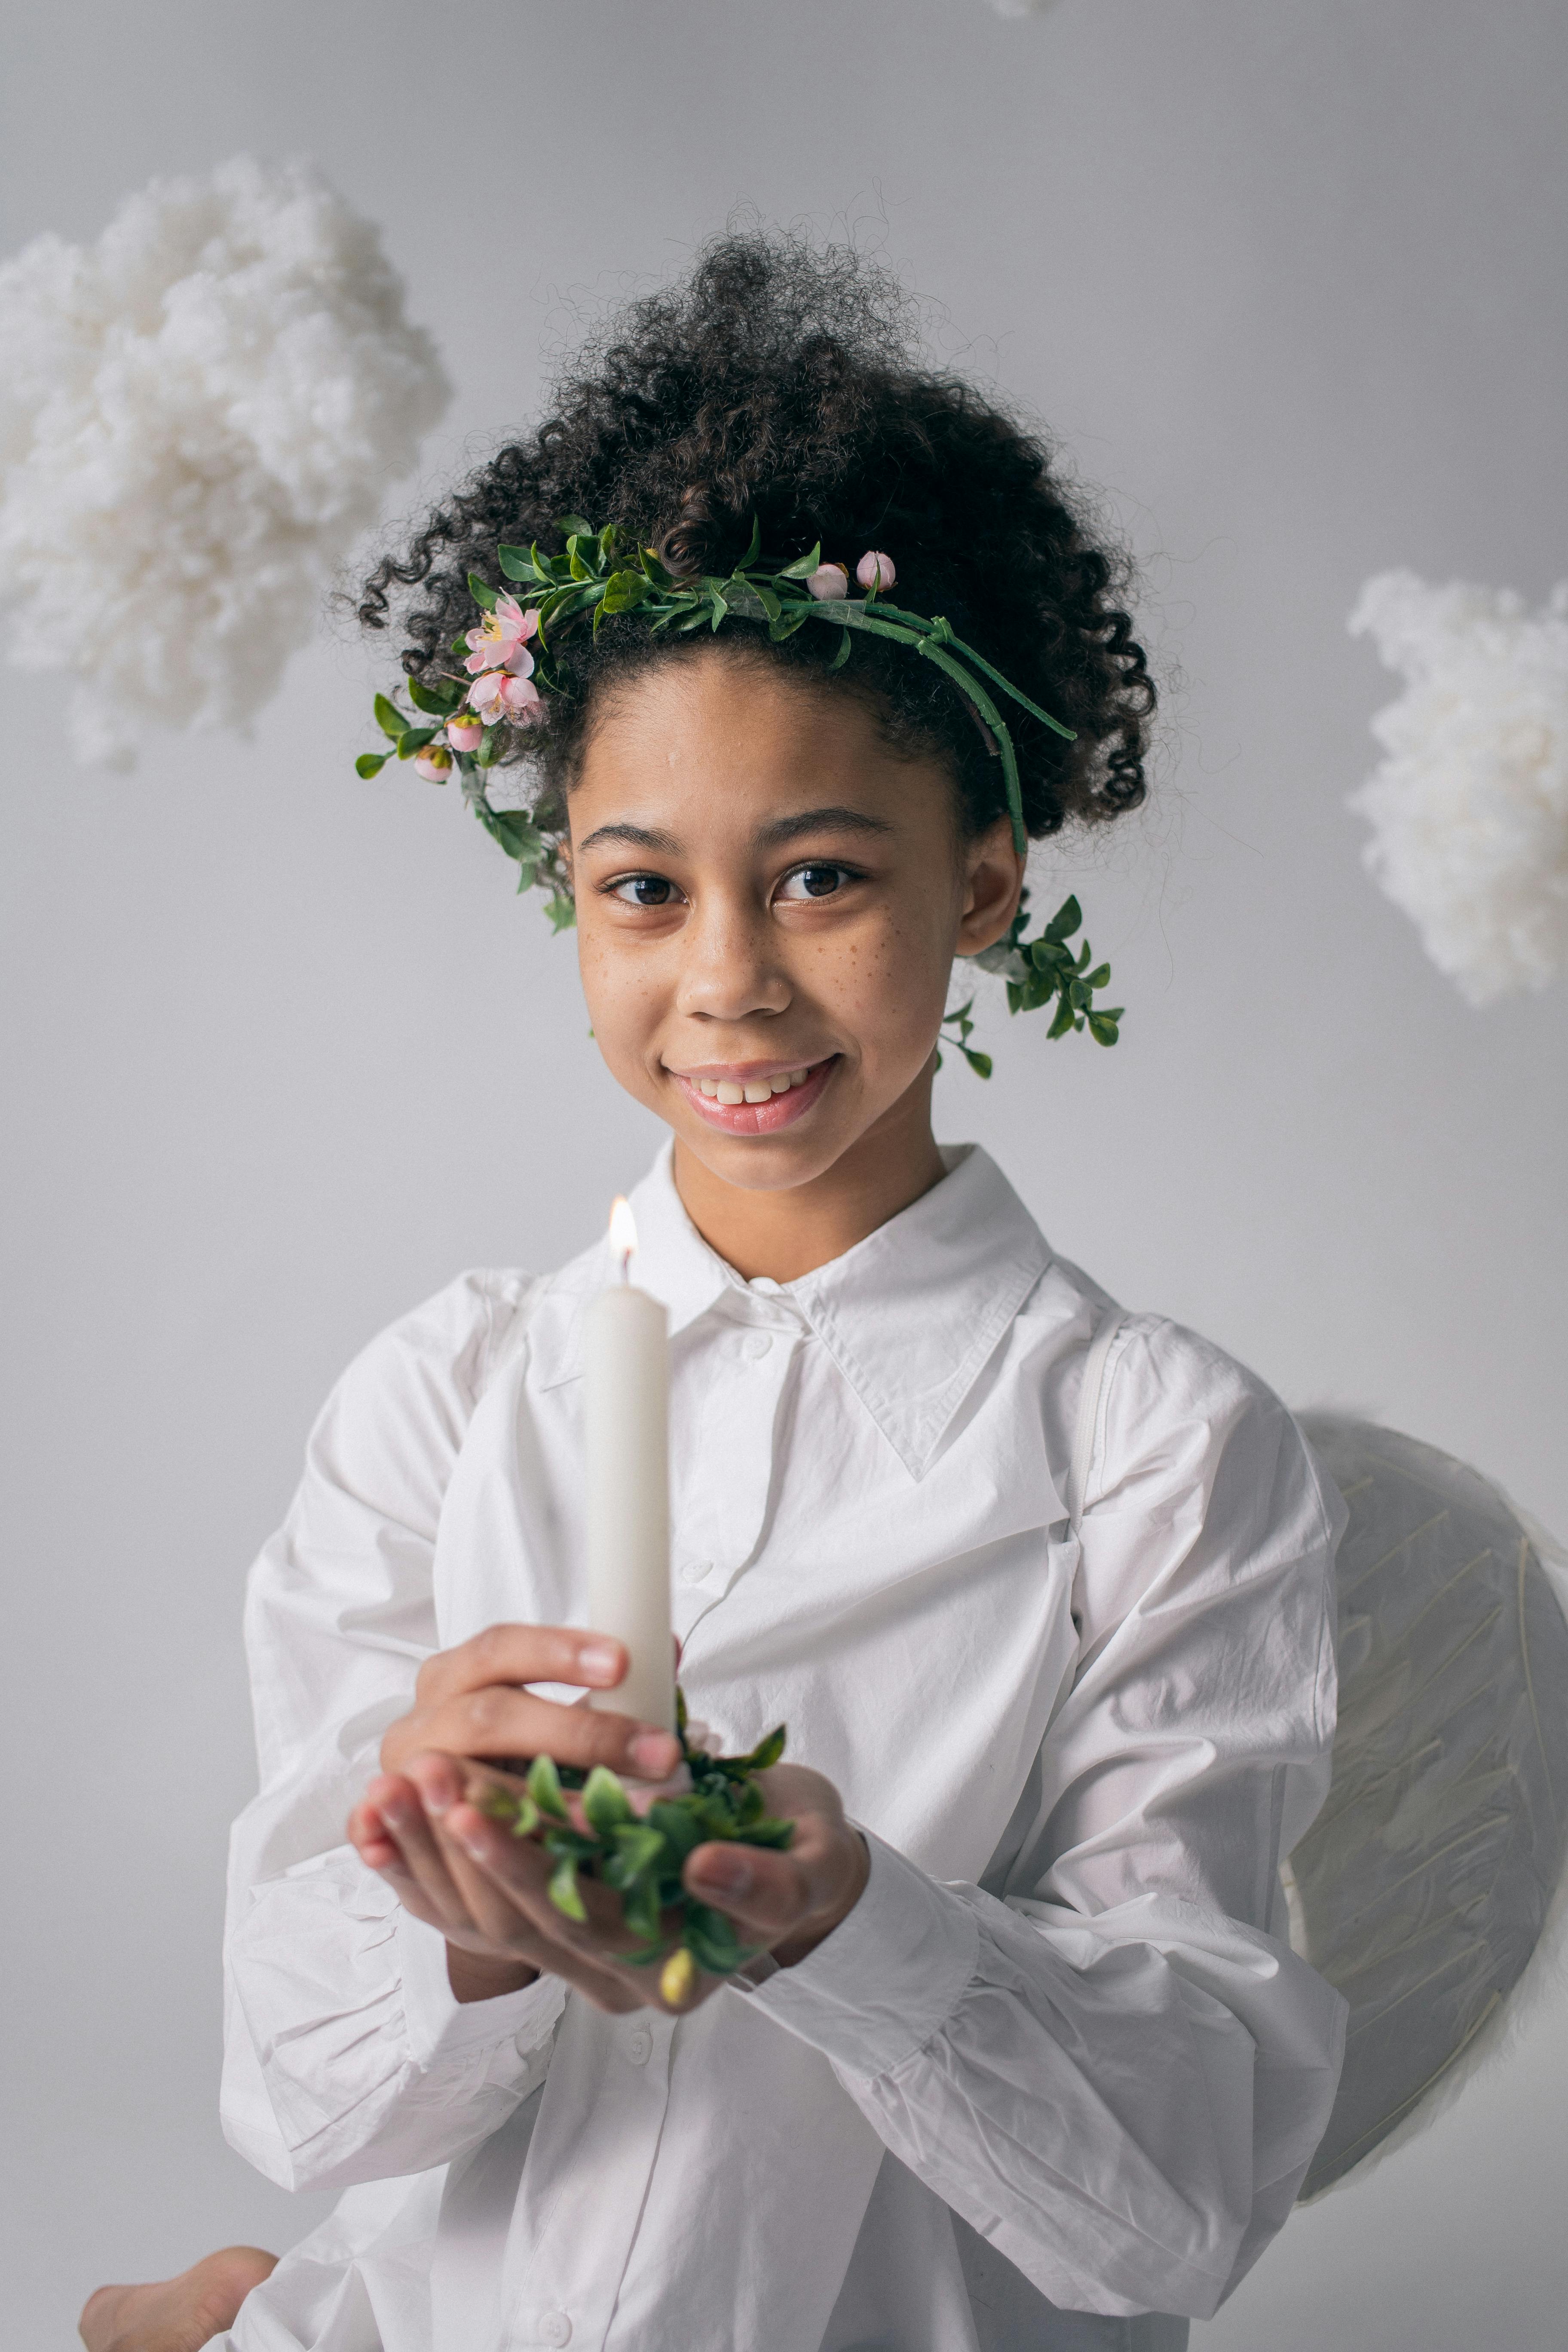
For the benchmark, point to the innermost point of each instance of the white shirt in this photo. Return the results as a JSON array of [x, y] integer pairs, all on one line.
[[1055, 2059]]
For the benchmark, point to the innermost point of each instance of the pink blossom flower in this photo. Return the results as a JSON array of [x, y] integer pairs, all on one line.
[[828, 583], [506, 694], [498, 641], [434, 764], [874, 569], [466, 732]]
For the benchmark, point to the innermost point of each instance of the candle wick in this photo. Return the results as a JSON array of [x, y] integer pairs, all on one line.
[[625, 1265]]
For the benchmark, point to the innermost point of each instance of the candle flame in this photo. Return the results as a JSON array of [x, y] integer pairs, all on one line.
[[623, 1230]]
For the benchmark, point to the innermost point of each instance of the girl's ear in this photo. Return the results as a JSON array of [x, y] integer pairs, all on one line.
[[994, 883]]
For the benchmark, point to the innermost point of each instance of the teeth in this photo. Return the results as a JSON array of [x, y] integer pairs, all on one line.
[[726, 1093], [709, 1086], [762, 1093], [798, 1078], [781, 1085]]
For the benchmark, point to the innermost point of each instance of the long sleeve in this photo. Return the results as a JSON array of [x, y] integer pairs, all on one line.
[[1106, 2065], [346, 2057]]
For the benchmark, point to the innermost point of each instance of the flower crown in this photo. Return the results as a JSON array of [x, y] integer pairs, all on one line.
[[510, 671]]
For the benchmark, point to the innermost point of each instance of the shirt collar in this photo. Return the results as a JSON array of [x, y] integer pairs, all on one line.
[[910, 1316]]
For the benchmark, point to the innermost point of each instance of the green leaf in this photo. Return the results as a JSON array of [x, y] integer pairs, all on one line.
[[755, 549], [979, 1062], [489, 748], [1063, 1020], [483, 595], [1098, 977], [413, 739], [654, 570], [572, 526], [440, 701], [639, 1910], [710, 1940], [581, 570], [769, 1832], [563, 914], [371, 764], [1103, 1029], [1066, 919], [623, 591], [605, 1805], [564, 1891], [804, 565], [544, 1788], [388, 718], [517, 563], [767, 1751], [766, 599], [639, 1845], [674, 1820], [792, 617], [842, 656], [525, 1819]]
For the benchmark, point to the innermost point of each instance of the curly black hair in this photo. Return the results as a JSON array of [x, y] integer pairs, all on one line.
[[782, 385]]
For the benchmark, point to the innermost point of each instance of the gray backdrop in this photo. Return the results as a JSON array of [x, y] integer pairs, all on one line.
[[284, 1052]]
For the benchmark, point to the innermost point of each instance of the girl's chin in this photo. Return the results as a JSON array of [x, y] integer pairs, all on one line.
[[776, 1115]]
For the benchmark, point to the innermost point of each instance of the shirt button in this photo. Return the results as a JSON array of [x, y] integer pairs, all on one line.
[[695, 1571], [554, 2327], [639, 2050], [756, 1347]]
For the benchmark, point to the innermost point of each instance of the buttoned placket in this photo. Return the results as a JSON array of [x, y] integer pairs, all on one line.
[[568, 2246], [719, 1509]]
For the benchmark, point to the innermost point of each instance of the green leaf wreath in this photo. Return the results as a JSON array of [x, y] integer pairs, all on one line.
[[641, 1856], [599, 575]]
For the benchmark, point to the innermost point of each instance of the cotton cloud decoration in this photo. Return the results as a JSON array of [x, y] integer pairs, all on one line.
[[198, 415], [1470, 805]]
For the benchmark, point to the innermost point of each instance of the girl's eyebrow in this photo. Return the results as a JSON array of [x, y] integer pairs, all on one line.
[[782, 829], [637, 836], [821, 820]]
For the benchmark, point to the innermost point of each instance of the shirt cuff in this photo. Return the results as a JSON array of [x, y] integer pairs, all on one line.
[[888, 1978], [441, 2026]]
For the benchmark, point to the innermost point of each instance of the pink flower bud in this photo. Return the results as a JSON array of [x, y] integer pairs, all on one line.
[[876, 570], [829, 582], [434, 763], [465, 732]]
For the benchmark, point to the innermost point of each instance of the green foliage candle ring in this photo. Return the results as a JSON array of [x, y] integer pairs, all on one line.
[[641, 1856]]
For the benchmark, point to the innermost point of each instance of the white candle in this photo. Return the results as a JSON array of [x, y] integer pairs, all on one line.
[[626, 1410]]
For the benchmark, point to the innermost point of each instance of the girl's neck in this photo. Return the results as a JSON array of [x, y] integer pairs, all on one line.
[[785, 1234]]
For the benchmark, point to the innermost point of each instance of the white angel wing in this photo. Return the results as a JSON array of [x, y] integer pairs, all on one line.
[[1423, 1888]]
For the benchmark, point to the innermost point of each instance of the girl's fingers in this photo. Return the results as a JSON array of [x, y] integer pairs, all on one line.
[[773, 1896], [522, 1654], [497, 1720], [586, 1952], [397, 1804]]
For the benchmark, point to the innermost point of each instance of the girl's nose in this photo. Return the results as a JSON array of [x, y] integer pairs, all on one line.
[[729, 968]]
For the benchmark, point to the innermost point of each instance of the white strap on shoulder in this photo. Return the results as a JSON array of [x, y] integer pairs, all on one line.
[[1093, 1387]]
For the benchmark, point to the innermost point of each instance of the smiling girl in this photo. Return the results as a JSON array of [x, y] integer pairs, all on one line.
[[1042, 1590]]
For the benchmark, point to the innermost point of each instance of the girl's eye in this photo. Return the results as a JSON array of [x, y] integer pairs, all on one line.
[[643, 890], [815, 881]]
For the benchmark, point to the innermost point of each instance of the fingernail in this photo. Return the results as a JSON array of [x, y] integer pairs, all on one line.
[[730, 1871], [600, 1660], [472, 1841], [654, 1753]]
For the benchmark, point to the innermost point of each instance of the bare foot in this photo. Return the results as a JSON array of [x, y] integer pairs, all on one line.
[[177, 2315]]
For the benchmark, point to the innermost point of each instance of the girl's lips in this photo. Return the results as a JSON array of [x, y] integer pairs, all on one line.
[[758, 1118]]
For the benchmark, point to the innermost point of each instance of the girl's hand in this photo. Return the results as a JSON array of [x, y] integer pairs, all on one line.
[[487, 1892]]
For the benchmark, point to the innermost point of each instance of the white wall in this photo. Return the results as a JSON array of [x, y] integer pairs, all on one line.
[[283, 1051]]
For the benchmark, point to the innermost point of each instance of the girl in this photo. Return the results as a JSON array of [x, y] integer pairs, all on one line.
[[1042, 1590]]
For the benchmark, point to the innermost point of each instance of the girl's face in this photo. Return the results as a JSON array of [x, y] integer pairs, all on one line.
[[769, 901]]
